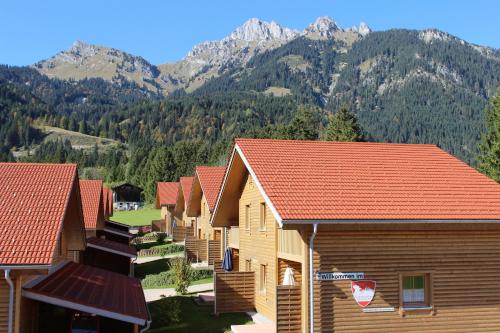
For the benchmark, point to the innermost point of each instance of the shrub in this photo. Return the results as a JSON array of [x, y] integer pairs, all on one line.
[[182, 271], [168, 278], [200, 274], [160, 237], [174, 248]]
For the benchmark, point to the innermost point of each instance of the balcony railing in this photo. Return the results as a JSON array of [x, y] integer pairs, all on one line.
[[234, 237], [290, 245]]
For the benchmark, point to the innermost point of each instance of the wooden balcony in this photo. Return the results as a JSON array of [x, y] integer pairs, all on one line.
[[234, 237], [288, 309], [290, 245], [234, 291]]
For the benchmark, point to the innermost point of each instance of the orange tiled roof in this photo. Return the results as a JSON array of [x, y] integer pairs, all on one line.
[[186, 185], [210, 179], [166, 193], [91, 192], [33, 201], [314, 180]]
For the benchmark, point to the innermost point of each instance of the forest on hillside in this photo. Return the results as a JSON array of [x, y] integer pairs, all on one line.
[[400, 88]]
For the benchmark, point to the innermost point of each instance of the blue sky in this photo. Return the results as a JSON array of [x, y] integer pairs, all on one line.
[[164, 31]]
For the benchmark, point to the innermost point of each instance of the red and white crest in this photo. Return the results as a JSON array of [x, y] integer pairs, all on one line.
[[363, 291]]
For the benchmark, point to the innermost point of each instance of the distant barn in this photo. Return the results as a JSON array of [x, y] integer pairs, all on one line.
[[127, 196]]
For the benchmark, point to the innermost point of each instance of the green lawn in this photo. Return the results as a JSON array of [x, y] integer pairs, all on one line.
[[142, 216], [193, 317]]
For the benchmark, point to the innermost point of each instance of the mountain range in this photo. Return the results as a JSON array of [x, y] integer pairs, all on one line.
[[404, 85], [206, 60]]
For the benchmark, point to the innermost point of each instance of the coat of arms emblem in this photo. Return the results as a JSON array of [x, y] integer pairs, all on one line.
[[363, 291]]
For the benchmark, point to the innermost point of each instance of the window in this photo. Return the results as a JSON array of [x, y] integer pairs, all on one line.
[[248, 265], [415, 290], [262, 216], [247, 217], [263, 279]]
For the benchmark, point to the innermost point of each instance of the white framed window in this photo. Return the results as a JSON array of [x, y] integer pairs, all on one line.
[[247, 217], [415, 290], [263, 279], [262, 225]]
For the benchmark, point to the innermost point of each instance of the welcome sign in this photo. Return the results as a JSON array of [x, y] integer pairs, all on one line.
[[335, 276]]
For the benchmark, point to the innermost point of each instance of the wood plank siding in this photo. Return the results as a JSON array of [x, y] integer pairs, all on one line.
[[257, 247], [235, 291], [464, 266], [196, 249], [288, 318], [4, 305], [214, 251]]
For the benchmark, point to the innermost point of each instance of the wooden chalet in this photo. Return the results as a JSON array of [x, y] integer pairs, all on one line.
[[107, 201], [183, 225], [92, 195], [127, 196], [42, 237], [166, 198], [103, 251], [207, 241], [377, 237], [116, 231]]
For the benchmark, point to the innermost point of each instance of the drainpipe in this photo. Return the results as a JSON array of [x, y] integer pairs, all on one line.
[[311, 276], [11, 299]]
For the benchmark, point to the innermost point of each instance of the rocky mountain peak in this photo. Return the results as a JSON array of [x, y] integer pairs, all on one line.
[[257, 30], [324, 27], [363, 29], [82, 49]]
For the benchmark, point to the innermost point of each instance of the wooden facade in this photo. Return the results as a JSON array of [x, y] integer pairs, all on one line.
[[288, 307], [462, 262], [235, 291], [459, 261], [70, 245], [257, 248]]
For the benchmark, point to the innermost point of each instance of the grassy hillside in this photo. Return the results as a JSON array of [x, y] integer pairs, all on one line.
[[78, 140]]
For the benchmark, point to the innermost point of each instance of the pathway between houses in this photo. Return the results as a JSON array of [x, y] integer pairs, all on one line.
[[155, 294], [142, 260]]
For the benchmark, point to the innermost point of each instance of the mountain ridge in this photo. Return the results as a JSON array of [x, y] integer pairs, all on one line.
[[202, 62]]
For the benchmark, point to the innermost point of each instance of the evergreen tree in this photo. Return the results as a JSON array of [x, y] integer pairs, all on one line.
[[82, 128], [304, 126], [343, 126], [489, 159]]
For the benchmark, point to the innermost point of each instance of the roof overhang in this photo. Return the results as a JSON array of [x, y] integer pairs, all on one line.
[[194, 202], [59, 289], [110, 250], [389, 221], [117, 232], [236, 162]]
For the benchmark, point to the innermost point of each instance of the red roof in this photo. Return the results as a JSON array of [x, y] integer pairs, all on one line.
[[33, 201], [186, 185], [166, 193], [210, 179], [93, 290], [315, 180], [91, 193], [111, 246]]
